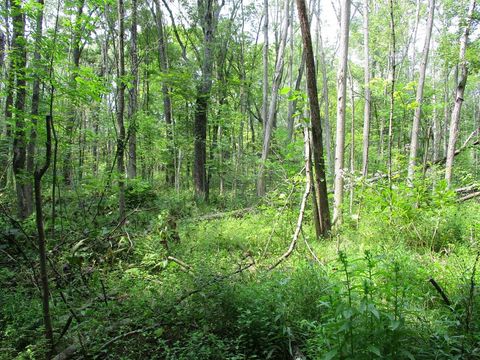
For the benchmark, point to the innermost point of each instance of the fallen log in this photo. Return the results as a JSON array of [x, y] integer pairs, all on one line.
[[235, 213], [469, 196]]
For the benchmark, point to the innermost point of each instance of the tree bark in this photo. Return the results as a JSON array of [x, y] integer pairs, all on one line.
[[326, 101], [35, 100], [318, 157], [455, 119], [133, 98], [76, 53], [19, 62], [42, 248], [209, 10], [392, 91], [341, 105], [366, 73], [265, 63], [120, 111], [419, 97], [269, 124], [167, 103]]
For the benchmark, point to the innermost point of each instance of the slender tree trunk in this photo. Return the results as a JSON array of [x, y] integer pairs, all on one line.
[[19, 59], [419, 97], [6, 131], [392, 91], [325, 97], [292, 105], [435, 123], [42, 248], [341, 105], [366, 73], [446, 114], [269, 124], [76, 53], [411, 68], [133, 98], [455, 119], [167, 103], [319, 163], [265, 64], [121, 138], [352, 144], [35, 101]]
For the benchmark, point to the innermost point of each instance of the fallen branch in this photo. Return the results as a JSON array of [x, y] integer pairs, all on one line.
[[460, 150], [183, 265], [303, 204], [235, 213], [468, 189], [469, 196], [439, 289]]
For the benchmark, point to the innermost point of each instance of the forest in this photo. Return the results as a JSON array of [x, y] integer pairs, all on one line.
[[239, 179]]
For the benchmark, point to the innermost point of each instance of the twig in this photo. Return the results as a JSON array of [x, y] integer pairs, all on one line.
[[439, 289], [183, 265]]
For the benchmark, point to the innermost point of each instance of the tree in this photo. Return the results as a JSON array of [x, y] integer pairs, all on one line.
[[366, 74], [121, 137], [269, 123], [133, 98], [341, 105], [42, 248], [208, 12], [72, 117], [321, 196], [459, 93], [19, 62], [419, 97], [167, 102]]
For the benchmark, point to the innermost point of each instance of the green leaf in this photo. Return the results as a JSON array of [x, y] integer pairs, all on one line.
[[374, 350], [374, 311], [330, 355], [394, 324]]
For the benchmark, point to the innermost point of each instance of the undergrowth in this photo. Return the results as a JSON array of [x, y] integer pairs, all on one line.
[[172, 284]]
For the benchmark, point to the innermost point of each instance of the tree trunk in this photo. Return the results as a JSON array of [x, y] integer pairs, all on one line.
[[326, 102], [392, 91], [318, 157], [42, 248], [209, 11], [455, 119], [268, 125], [6, 131], [435, 123], [35, 101], [352, 144], [133, 98], [120, 111], [366, 73], [265, 64], [76, 53], [341, 105], [167, 103], [19, 59], [419, 97]]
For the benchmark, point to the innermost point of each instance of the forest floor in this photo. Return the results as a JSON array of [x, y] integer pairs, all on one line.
[[187, 282]]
